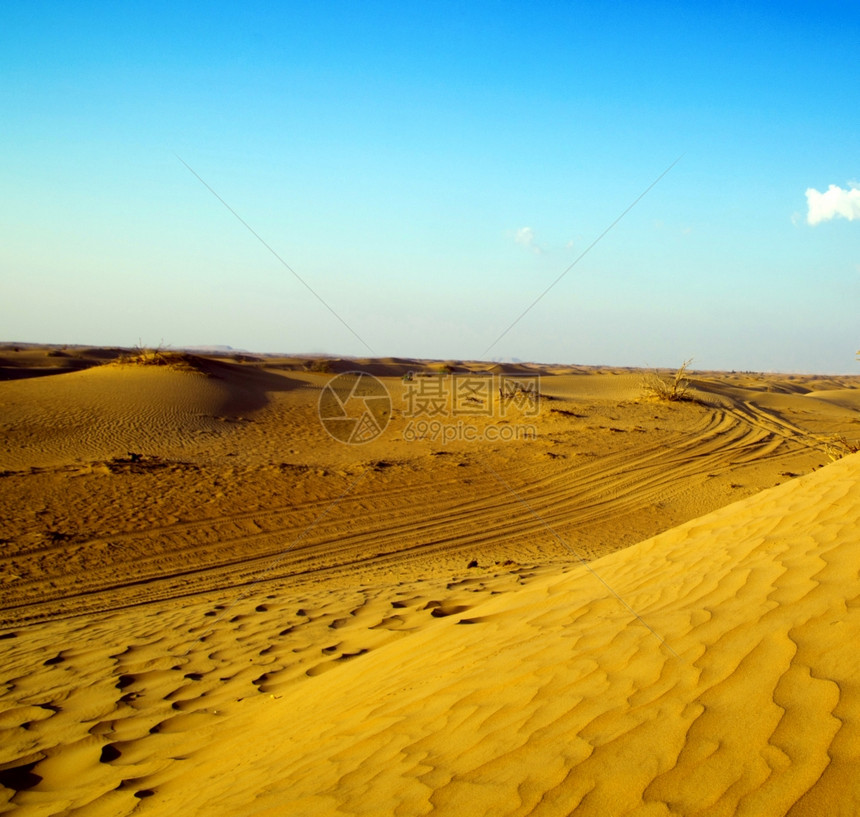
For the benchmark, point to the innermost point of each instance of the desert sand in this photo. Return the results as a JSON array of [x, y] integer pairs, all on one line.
[[209, 606]]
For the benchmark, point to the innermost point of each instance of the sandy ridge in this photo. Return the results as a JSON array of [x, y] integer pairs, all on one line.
[[554, 698]]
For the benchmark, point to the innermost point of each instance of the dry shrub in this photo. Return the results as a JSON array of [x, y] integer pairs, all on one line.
[[159, 356], [670, 390], [839, 447], [321, 365], [139, 356]]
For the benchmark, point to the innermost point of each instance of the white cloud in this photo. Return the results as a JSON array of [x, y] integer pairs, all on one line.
[[833, 203], [525, 237]]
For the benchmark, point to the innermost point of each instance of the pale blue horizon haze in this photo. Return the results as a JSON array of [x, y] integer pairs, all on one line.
[[429, 169]]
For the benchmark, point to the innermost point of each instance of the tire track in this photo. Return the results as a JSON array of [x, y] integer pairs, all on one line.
[[381, 527]]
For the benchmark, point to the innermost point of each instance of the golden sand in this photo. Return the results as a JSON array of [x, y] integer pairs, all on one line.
[[248, 617]]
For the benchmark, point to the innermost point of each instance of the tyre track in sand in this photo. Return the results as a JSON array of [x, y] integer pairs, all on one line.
[[378, 527]]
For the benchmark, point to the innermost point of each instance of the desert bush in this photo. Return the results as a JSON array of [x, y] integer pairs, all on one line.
[[839, 447], [322, 365], [143, 356], [159, 356], [673, 389]]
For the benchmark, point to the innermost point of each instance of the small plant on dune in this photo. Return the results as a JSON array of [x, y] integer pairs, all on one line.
[[141, 355], [839, 447], [321, 365], [158, 356], [671, 390]]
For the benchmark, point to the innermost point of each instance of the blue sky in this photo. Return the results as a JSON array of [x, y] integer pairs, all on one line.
[[429, 169]]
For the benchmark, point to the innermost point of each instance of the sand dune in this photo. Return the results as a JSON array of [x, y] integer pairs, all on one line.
[[845, 398], [557, 698], [248, 617], [107, 410], [733, 694]]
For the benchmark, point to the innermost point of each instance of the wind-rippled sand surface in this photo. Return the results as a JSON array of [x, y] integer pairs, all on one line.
[[250, 618]]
